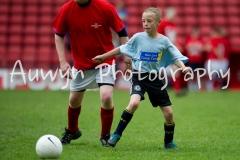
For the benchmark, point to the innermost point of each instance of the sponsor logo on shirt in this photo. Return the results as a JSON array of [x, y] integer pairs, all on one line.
[[151, 56]]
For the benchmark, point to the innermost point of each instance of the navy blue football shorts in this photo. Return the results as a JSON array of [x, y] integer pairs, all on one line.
[[151, 84]]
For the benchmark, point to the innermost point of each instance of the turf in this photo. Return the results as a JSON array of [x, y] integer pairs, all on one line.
[[207, 126]]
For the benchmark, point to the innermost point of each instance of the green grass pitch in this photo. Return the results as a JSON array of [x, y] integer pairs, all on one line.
[[207, 126]]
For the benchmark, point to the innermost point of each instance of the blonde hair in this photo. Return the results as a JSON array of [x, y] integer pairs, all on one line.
[[156, 11]]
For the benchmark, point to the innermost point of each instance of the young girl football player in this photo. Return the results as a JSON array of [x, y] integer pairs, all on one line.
[[150, 51]]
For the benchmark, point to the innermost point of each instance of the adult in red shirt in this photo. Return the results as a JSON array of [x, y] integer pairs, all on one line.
[[217, 57], [168, 28], [194, 51], [89, 24]]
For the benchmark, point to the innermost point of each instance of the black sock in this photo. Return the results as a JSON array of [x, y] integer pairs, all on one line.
[[169, 132], [125, 119]]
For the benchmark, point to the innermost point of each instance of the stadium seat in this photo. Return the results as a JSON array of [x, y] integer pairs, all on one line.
[[174, 3], [30, 39], [4, 9], [233, 20], [234, 31], [30, 29], [132, 3], [30, 19], [16, 9], [15, 39], [204, 10], [232, 2], [134, 11], [3, 19], [219, 10], [45, 30], [45, 10], [235, 42], [28, 57], [16, 19], [219, 20], [233, 10], [190, 20], [44, 56], [146, 3], [218, 2], [205, 20], [3, 29], [15, 29], [189, 2], [45, 39], [3, 54], [17, 2], [13, 54], [205, 30], [45, 19], [189, 10], [203, 3], [31, 9]]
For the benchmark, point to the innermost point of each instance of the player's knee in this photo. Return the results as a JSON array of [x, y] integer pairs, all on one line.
[[169, 115], [74, 102], [133, 105], [106, 98]]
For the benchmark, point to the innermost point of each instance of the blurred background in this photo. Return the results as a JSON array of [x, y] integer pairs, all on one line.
[[26, 32]]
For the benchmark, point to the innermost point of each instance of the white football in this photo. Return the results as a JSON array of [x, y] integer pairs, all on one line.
[[49, 146]]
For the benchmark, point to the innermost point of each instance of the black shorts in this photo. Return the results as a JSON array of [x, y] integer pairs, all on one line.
[[152, 85]]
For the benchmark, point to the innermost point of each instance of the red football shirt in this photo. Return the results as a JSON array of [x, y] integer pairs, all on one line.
[[194, 49], [168, 29], [217, 43], [89, 30]]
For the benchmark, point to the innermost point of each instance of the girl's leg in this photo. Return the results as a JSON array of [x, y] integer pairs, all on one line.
[[169, 126], [125, 119]]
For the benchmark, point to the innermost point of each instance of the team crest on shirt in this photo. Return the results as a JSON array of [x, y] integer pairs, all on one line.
[[96, 25], [137, 88]]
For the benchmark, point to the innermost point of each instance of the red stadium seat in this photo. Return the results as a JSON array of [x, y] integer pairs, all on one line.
[[15, 39], [13, 54], [28, 57], [45, 19], [16, 9], [234, 31], [203, 2], [132, 3], [31, 19], [205, 30], [146, 3], [46, 10], [219, 10], [174, 3], [190, 20], [31, 9], [205, 20], [3, 19], [219, 20], [3, 40], [233, 10], [45, 39], [30, 29], [15, 29], [134, 11], [189, 10], [4, 8], [30, 39], [17, 2], [204, 10], [16, 19], [3, 29], [235, 42], [44, 55], [233, 20], [3, 54], [45, 30], [232, 2], [218, 2], [189, 2]]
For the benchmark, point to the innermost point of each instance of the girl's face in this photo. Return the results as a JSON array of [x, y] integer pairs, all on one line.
[[150, 24]]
